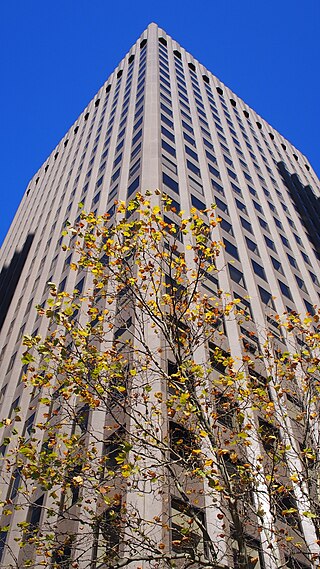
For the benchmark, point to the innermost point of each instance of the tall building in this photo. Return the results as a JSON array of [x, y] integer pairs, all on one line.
[[162, 120]]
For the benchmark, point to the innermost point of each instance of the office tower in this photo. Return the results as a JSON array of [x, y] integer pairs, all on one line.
[[162, 120]]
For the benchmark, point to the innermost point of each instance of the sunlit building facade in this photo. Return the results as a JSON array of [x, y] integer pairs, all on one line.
[[162, 120]]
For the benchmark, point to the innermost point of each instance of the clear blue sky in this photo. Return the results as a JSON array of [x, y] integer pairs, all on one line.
[[56, 54]]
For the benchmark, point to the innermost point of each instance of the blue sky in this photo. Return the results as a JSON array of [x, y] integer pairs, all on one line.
[[55, 56]]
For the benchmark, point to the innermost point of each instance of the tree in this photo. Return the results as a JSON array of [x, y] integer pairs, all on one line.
[[151, 444]]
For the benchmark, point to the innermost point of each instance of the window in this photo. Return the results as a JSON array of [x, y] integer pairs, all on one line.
[[277, 265], [209, 281], [270, 243], [167, 121], [246, 224], [187, 127], [254, 552], [28, 426], [252, 246], [217, 187], [309, 307], [194, 184], [226, 226], [191, 153], [301, 284], [231, 249], [287, 508], [259, 270], [241, 206], [181, 442], [298, 240], [306, 258], [263, 224], [167, 133], [211, 157], [34, 515], [168, 148], [285, 289], [214, 171], [112, 449], [193, 168], [11, 362], [257, 206], [236, 275], [314, 278], [170, 183], [169, 164], [133, 186], [189, 139], [186, 522], [138, 136], [197, 203], [285, 241], [266, 297], [222, 205], [292, 261], [225, 410], [109, 533], [236, 189], [270, 436], [278, 223]]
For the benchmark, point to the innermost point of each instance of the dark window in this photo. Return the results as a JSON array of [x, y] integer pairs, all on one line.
[[301, 283], [263, 224], [110, 531], [133, 186], [187, 127], [168, 148], [270, 436], [226, 226], [189, 139], [225, 410], [193, 168], [172, 184], [186, 536], [266, 297], [181, 442], [292, 261], [314, 278], [241, 206], [191, 153], [214, 171], [167, 121], [211, 156], [270, 243], [252, 246], [113, 448], [34, 514], [285, 241], [167, 133], [136, 137], [277, 265], [222, 205], [278, 223], [246, 225], [197, 203], [285, 289], [217, 186], [259, 270], [231, 249], [236, 275]]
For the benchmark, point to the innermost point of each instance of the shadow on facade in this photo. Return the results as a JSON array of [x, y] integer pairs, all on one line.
[[10, 275], [307, 204]]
